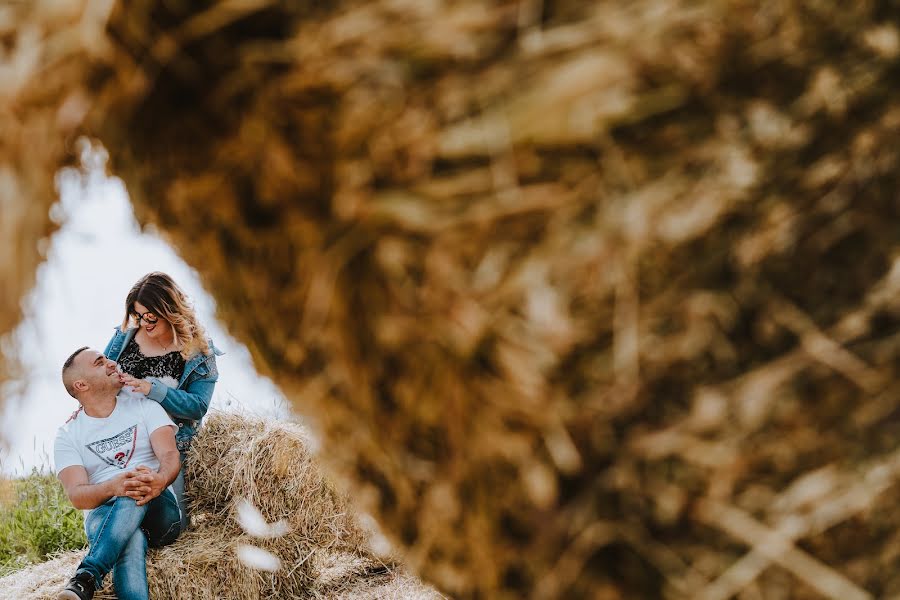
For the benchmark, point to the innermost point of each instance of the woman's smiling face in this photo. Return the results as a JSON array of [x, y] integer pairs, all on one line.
[[152, 324]]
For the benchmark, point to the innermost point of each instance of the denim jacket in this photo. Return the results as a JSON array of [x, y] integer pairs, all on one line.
[[187, 403]]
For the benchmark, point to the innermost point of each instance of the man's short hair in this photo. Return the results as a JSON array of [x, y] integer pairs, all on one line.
[[67, 375]]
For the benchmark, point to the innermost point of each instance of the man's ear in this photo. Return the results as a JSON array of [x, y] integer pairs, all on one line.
[[80, 385]]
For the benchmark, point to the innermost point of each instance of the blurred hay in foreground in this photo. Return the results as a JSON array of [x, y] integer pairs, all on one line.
[[323, 555], [586, 299]]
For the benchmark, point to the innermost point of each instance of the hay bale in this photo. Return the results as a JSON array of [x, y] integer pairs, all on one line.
[[268, 464], [578, 294], [271, 465]]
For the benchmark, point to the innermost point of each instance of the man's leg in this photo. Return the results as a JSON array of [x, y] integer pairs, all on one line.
[[162, 523], [130, 573], [110, 528]]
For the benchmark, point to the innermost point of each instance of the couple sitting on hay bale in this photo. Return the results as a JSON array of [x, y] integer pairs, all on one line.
[[120, 455]]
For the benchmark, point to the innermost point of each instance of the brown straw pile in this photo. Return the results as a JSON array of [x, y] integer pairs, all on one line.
[[270, 466], [339, 582], [586, 299], [323, 553]]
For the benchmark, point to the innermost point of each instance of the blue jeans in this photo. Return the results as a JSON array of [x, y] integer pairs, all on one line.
[[119, 532], [178, 488]]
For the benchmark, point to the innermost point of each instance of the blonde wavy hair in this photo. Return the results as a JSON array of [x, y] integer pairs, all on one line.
[[162, 296]]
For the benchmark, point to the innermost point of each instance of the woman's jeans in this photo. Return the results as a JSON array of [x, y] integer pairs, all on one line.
[[119, 532], [178, 488]]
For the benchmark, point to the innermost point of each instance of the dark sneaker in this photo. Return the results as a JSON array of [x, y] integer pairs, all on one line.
[[81, 587]]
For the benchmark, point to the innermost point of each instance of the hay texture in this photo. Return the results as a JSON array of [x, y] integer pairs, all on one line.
[[269, 465], [586, 299], [342, 582], [322, 552]]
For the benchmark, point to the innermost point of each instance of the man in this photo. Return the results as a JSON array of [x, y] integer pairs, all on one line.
[[116, 457]]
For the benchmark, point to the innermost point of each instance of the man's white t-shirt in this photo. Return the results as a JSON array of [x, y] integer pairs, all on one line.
[[110, 446]]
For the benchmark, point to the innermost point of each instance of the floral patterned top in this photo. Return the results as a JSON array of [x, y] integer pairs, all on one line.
[[133, 362]]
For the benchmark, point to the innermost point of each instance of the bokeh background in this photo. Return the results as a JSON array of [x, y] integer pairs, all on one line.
[[585, 299]]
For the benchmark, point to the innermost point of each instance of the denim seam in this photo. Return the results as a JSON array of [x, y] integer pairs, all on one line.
[[170, 498]]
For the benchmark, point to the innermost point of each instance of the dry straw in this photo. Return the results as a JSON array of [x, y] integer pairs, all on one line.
[[342, 578], [238, 460], [586, 299]]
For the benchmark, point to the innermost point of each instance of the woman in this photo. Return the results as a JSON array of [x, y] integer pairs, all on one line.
[[164, 354]]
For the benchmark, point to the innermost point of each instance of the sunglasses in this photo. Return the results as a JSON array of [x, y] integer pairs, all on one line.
[[148, 317]]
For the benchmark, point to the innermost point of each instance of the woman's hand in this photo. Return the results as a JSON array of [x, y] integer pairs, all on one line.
[[139, 385]]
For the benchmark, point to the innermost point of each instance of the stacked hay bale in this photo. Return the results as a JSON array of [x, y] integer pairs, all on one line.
[[585, 298], [268, 465]]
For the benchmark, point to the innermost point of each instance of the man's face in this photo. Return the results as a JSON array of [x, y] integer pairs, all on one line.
[[97, 372]]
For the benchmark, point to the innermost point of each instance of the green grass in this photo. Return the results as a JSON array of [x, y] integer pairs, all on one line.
[[36, 520]]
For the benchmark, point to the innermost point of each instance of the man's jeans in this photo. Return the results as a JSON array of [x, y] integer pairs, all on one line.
[[119, 532]]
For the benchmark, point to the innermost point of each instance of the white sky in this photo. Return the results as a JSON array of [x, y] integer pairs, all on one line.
[[92, 262]]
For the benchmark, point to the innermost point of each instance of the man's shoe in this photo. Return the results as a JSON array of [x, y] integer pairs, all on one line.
[[80, 587]]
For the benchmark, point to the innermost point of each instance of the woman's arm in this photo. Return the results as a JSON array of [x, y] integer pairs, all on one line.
[[189, 403]]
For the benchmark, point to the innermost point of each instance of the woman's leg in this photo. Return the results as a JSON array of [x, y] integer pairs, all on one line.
[[130, 573], [178, 488]]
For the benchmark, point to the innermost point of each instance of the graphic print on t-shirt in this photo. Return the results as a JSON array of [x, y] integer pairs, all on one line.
[[118, 449]]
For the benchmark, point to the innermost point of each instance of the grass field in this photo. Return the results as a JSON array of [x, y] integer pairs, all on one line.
[[36, 521]]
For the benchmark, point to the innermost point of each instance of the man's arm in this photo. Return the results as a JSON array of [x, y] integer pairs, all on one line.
[[149, 483], [85, 495]]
